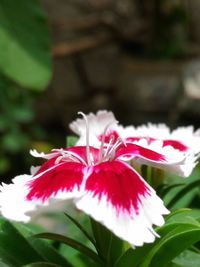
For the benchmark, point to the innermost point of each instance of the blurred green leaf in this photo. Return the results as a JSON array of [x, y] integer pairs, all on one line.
[[187, 259], [71, 140], [14, 141], [24, 43], [4, 164], [22, 114], [2, 264], [42, 264]]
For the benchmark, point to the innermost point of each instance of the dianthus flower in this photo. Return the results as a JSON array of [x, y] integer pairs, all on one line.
[[181, 142], [99, 181]]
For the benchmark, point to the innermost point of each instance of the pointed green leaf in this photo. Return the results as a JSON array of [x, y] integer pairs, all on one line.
[[175, 242], [183, 192], [181, 217], [109, 246], [24, 43], [165, 189], [72, 243], [102, 237], [116, 249], [81, 229]]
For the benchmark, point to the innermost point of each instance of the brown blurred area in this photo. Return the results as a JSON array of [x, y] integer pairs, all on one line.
[[138, 58]]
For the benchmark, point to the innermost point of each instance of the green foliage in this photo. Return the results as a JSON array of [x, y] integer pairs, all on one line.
[[182, 229], [25, 62], [17, 129], [19, 248], [24, 43], [181, 193], [187, 259], [71, 140], [177, 245]]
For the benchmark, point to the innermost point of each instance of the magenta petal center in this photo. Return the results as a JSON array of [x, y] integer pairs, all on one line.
[[122, 187]]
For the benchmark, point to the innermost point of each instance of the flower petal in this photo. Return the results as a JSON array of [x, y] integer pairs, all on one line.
[[188, 137], [118, 197], [50, 155], [13, 203], [135, 151], [96, 122], [171, 160], [62, 180], [176, 145]]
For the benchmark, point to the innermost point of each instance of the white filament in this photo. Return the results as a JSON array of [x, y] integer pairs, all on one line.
[[103, 140], [87, 138]]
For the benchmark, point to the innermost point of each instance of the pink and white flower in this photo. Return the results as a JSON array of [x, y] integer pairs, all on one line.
[[182, 142], [100, 183]]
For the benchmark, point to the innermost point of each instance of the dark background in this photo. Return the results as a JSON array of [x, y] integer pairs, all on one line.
[[138, 58]]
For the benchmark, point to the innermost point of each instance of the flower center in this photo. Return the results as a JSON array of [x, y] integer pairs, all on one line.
[[107, 147]]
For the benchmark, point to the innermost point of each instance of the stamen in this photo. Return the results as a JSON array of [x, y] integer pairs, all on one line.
[[111, 153], [87, 137], [109, 145], [62, 152], [103, 140], [67, 156]]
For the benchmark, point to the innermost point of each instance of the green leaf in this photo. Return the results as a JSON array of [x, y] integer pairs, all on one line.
[[132, 257], [109, 246], [81, 229], [187, 259], [14, 141], [42, 246], [2, 264], [4, 164], [102, 237], [22, 114], [183, 192], [42, 264], [71, 140], [174, 242], [116, 249], [72, 243], [24, 43], [165, 189], [15, 250], [183, 218]]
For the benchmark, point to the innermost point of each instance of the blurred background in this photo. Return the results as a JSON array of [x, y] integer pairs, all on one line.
[[138, 58]]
